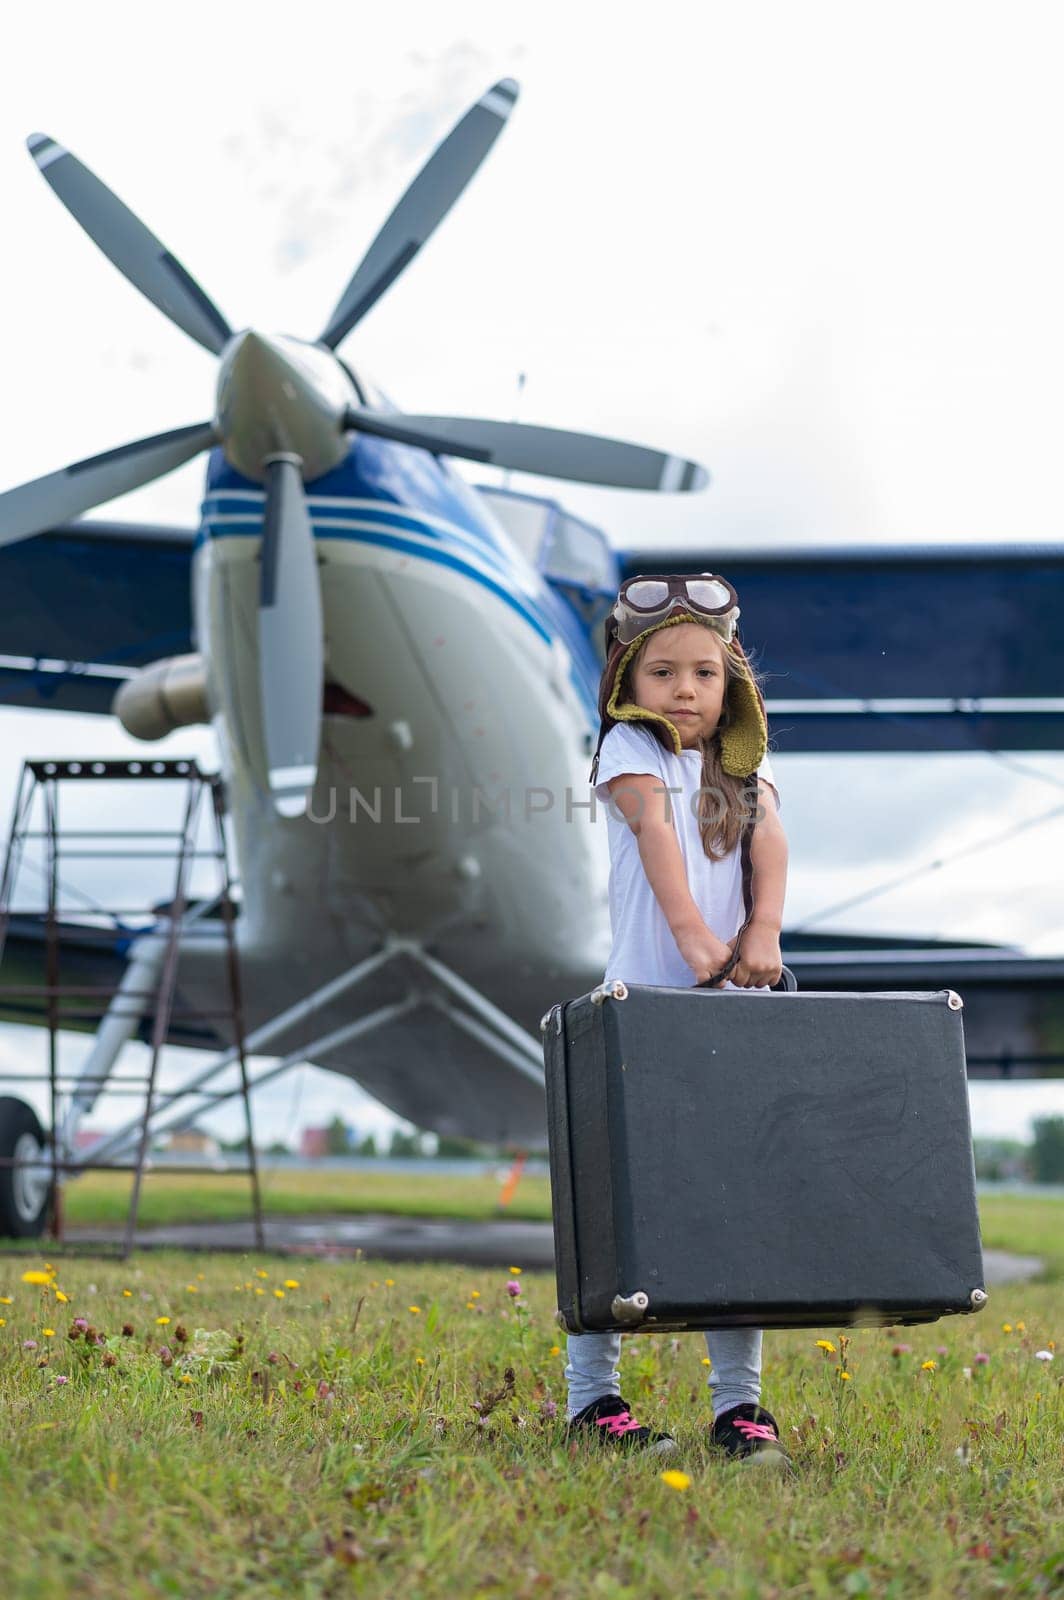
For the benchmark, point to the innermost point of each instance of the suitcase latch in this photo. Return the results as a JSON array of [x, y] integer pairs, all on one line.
[[609, 991], [630, 1307]]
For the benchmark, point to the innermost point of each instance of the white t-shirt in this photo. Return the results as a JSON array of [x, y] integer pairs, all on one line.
[[644, 950]]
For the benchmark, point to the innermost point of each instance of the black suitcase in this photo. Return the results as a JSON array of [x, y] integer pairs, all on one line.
[[722, 1158]]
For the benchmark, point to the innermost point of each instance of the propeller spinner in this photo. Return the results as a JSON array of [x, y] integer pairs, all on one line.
[[284, 409]]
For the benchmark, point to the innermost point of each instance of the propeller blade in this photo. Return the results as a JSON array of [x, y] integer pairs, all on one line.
[[551, 452], [423, 207], [291, 649], [33, 507], [129, 245]]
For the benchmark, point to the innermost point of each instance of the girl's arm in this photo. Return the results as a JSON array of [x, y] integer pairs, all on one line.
[[760, 961], [644, 803]]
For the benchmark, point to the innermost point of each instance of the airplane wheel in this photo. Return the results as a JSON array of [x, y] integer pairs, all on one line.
[[25, 1191]]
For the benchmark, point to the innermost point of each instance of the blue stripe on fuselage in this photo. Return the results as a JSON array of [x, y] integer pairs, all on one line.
[[410, 486]]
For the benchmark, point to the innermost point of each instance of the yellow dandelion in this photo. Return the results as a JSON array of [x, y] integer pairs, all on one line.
[[260, 1291], [1051, 1344], [1021, 1327], [248, 1284], [826, 1345], [419, 1361], [3, 1322], [291, 1283], [260, 1273], [470, 1305], [49, 1333], [389, 1283], [186, 1377], [675, 1480], [61, 1297], [844, 1377], [474, 1294], [161, 1322], [127, 1294], [5, 1299], [278, 1294], [375, 1284], [515, 1272], [706, 1361], [415, 1311], [190, 1288], [202, 1276], [928, 1366], [1006, 1327], [33, 1276], [555, 1350]]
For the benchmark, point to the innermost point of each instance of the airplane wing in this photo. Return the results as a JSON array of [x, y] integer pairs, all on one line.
[[92, 958], [890, 648], [84, 605]]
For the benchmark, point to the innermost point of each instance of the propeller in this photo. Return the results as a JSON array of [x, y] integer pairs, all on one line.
[[284, 409], [422, 208], [77, 488], [551, 452], [291, 665], [129, 245]]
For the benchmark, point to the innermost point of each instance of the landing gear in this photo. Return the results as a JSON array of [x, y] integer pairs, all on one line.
[[25, 1189]]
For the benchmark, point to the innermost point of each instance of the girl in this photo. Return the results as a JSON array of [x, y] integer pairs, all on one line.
[[697, 873]]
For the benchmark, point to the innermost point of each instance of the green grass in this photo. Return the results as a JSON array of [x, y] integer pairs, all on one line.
[[1037, 1223], [101, 1198], [327, 1443]]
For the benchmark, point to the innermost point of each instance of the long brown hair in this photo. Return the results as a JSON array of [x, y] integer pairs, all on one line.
[[725, 803]]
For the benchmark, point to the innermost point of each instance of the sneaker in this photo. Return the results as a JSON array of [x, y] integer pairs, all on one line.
[[750, 1434], [609, 1420]]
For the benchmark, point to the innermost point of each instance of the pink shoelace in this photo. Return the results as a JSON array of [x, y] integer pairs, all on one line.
[[755, 1430], [623, 1422]]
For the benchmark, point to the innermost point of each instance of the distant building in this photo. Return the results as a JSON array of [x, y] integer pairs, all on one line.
[[314, 1143], [85, 1138], [191, 1142]]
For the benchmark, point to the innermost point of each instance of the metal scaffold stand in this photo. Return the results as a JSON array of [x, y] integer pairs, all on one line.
[[144, 1005]]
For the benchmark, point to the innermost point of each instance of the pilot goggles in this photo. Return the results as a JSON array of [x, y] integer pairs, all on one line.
[[644, 602]]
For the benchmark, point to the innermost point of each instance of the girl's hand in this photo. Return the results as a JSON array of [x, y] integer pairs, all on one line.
[[704, 953], [760, 961]]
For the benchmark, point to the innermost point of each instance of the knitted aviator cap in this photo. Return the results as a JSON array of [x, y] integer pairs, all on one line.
[[743, 742]]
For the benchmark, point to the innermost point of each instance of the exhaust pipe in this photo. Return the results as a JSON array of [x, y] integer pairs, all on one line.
[[167, 695]]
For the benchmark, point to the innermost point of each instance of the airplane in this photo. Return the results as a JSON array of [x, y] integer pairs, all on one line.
[[401, 671]]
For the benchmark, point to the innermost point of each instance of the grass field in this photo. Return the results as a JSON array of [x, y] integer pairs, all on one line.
[[227, 1426], [102, 1197]]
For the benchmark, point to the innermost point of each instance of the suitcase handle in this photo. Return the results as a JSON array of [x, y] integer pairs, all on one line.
[[787, 983]]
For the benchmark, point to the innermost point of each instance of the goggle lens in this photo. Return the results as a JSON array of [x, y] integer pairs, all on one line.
[[707, 592], [649, 594]]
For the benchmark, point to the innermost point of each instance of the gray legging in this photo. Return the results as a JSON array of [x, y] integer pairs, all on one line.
[[734, 1377]]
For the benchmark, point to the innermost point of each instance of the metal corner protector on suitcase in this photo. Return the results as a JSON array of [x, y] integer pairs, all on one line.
[[723, 1158]]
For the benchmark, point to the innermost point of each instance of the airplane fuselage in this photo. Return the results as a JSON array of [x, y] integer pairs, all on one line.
[[459, 714]]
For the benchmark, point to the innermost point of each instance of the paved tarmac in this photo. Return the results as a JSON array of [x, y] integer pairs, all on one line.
[[480, 1244]]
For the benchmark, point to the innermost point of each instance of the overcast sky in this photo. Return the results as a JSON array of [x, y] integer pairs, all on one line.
[[817, 247]]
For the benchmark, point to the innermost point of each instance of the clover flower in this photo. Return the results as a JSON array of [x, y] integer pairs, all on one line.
[[513, 1289], [1043, 1355], [980, 1359]]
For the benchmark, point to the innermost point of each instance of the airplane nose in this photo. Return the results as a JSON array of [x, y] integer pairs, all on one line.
[[277, 394]]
